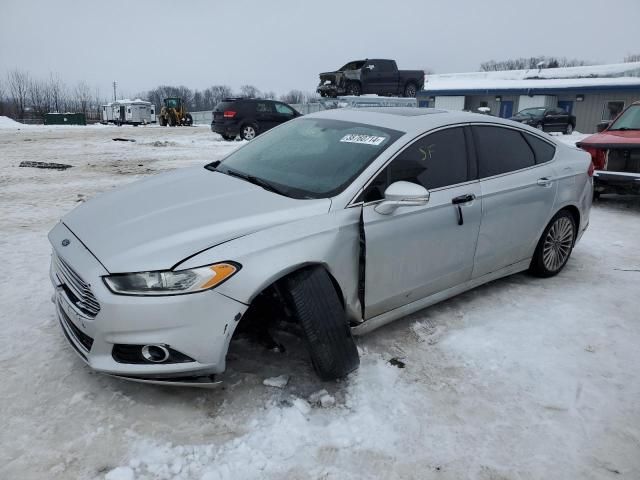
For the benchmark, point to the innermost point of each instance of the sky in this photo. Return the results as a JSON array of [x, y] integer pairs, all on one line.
[[281, 45]]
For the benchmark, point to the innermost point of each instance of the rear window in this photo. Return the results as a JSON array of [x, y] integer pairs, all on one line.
[[543, 151], [222, 106]]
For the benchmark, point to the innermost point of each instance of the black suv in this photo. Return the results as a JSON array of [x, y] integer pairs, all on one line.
[[547, 119], [249, 117]]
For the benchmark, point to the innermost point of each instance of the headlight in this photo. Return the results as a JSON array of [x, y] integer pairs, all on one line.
[[171, 282]]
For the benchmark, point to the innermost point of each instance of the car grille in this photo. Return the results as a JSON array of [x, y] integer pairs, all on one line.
[[85, 340], [78, 290]]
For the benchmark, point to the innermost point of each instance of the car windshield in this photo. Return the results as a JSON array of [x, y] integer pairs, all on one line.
[[172, 102], [309, 158], [628, 120], [352, 66], [532, 111]]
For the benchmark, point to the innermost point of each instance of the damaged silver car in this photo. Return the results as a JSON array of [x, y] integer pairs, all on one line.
[[340, 222]]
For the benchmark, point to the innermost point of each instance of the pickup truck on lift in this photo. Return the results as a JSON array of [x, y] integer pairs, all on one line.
[[380, 77]]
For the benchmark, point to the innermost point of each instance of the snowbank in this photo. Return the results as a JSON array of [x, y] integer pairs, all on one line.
[[6, 122]]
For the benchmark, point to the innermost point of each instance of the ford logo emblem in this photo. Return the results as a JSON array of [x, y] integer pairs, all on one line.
[[65, 242]]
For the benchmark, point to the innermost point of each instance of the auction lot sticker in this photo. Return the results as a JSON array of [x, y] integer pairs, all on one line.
[[364, 139]]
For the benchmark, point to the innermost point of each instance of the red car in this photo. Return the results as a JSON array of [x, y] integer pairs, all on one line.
[[615, 152]]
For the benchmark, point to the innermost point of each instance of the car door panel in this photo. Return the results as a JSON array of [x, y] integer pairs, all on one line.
[[418, 251], [515, 205]]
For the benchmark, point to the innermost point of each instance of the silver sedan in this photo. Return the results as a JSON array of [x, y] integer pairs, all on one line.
[[340, 221]]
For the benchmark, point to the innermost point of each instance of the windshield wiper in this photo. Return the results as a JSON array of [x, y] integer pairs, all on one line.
[[256, 181], [213, 166], [622, 129]]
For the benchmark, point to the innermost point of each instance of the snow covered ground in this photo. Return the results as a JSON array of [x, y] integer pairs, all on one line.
[[520, 379]]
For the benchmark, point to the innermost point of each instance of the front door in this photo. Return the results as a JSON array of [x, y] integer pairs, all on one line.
[[373, 78], [506, 109], [414, 252], [517, 198], [122, 113]]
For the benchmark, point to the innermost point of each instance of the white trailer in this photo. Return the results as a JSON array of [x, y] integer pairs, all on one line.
[[132, 112], [106, 113]]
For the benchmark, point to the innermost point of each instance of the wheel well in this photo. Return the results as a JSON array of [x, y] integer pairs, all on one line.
[[575, 213], [269, 301]]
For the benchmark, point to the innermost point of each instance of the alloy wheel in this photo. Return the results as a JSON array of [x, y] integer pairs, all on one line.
[[557, 244], [248, 133]]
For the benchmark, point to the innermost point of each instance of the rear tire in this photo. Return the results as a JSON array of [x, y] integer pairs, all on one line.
[[188, 120], [555, 245], [312, 298], [410, 90], [248, 131], [172, 121], [228, 137], [163, 122], [569, 129], [540, 127]]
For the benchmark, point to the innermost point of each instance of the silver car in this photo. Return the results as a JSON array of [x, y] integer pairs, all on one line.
[[341, 221]]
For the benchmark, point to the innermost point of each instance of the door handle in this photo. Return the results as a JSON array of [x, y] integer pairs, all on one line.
[[469, 197], [545, 182], [458, 201]]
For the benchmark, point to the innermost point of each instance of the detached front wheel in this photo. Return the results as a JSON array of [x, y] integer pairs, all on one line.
[[311, 296]]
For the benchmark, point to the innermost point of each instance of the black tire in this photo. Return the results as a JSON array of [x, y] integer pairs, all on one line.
[[228, 137], [554, 249], [188, 120], [172, 121], [410, 90], [312, 298], [540, 126], [246, 131], [163, 122], [569, 129], [353, 88]]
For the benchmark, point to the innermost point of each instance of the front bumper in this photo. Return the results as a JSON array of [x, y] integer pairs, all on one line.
[[330, 90], [198, 325], [616, 182]]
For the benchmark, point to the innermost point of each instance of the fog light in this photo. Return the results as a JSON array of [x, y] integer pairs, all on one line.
[[155, 353]]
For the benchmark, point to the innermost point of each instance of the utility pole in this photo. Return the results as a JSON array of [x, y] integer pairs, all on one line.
[[115, 98]]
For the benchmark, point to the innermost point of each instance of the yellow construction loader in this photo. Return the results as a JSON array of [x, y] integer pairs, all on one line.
[[174, 113]]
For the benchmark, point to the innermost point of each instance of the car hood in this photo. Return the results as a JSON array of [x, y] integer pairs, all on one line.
[[156, 223], [612, 139]]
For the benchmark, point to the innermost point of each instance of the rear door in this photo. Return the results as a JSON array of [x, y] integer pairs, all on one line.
[[517, 196], [265, 115], [414, 252], [388, 77]]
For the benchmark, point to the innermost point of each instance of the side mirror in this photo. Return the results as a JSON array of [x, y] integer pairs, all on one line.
[[602, 126], [402, 194]]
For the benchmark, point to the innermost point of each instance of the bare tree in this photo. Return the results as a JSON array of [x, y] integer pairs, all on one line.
[[531, 63], [58, 94], [635, 57], [18, 82], [38, 97], [82, 94], [294, 96], [249, 91], [270, 95]]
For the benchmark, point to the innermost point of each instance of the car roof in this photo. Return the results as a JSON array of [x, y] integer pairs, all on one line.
[[409, 120]]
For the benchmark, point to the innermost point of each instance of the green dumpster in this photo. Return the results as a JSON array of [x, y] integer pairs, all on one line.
[[64, 119]]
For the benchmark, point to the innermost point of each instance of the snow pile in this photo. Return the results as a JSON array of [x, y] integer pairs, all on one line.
[[293, 439], [6, 122]]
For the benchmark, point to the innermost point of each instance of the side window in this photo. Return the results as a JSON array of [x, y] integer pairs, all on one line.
[[543, 151], [384, 66], [501, 150], [612, 110], [282, 108], [263, 107], [437, 160]]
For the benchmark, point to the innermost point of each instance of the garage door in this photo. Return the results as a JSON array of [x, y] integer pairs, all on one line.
[[526, 101], [450, 103]]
